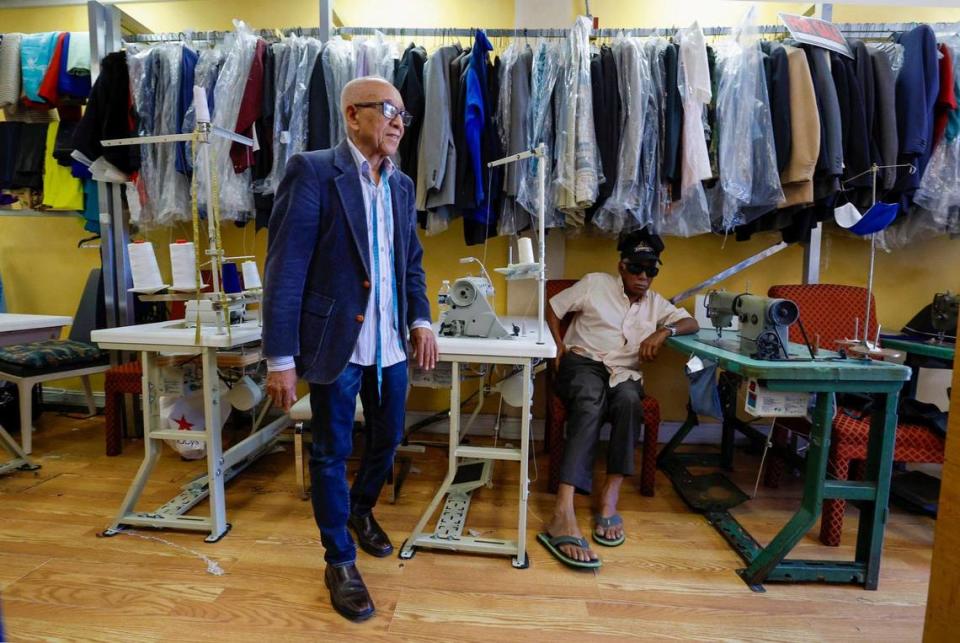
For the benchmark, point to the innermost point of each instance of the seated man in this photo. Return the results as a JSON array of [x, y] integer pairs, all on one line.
[[620, 324]]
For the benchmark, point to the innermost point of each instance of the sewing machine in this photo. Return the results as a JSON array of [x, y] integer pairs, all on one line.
[[943, 314], [764, 323], [470, 313]]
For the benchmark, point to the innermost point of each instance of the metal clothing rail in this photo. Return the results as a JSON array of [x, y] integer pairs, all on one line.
[[851, 29], [177, 36]]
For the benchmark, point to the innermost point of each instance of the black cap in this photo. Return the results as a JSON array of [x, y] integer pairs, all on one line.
[[639, 246]]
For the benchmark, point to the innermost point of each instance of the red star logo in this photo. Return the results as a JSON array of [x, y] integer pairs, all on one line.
[[183, 424]]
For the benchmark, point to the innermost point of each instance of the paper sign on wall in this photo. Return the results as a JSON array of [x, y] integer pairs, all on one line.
[[820, 33]]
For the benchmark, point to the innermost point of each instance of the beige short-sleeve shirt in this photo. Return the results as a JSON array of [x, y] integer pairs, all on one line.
[[608, 328]]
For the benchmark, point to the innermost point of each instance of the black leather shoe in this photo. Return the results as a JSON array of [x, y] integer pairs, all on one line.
[[348, 594], [372, 538]]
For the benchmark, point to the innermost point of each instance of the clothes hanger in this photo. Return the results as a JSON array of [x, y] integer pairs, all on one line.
[[88, 243]]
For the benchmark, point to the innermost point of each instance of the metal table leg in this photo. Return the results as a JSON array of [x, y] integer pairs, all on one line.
[[520, 560], [762, 566], [409, 546], [215, 462], [873, 515], [20, 462], [151, 422]]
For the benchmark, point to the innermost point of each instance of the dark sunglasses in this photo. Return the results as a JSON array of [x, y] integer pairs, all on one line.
[[390, 111], [651, 270]]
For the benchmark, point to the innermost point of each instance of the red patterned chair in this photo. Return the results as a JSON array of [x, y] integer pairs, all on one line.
[[829, 311], [119, 381], [557, 417]]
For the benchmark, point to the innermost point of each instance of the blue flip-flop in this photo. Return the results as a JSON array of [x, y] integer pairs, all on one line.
[[606, 523], [553, 543]]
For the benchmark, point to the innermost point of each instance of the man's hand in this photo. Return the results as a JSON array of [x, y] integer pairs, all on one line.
[[561, 351], [282, 387], [424, 347], [651, 345]]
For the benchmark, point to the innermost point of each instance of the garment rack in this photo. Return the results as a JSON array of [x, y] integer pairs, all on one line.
[[328, 18], [861, 29]]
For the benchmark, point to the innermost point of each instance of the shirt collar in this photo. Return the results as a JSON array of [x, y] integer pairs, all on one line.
[[387, 167]]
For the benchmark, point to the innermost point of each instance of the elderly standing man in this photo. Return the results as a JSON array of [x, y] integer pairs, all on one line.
[[344, 285]]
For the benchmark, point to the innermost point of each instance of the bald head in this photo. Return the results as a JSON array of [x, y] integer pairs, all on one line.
[[362, 105], [368, 89]]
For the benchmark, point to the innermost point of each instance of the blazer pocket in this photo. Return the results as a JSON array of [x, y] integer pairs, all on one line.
[[317, 304], [313, 326]]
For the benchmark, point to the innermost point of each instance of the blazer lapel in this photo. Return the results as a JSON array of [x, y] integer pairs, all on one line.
[[398, 195], [351, 198]]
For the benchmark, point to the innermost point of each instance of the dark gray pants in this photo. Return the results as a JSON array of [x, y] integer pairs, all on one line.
[[584, 385]]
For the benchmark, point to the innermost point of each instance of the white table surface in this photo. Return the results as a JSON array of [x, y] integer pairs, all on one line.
[[10, 322], [524, 346], [175, 333]]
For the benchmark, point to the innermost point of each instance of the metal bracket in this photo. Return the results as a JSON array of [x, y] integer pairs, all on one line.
[[729, 272]]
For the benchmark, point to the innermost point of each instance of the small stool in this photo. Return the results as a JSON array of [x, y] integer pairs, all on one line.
[[119, 381], [301, 413]]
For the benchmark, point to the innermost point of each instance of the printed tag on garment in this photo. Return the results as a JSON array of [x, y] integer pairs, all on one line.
[[256, 141], [285, 137], [695, 365]]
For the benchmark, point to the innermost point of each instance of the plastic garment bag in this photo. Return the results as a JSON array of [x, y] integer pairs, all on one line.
[[937, 200], [294, 62], [235, 190], [204, 75], [374, 57], [155, 88], [578, 170], [690, 215], [292, 140], [748, 161], [543, 79], [339, 69], [636, 93], [654, 197]]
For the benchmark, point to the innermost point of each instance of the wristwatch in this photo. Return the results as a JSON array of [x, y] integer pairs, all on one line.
[[672, 329]]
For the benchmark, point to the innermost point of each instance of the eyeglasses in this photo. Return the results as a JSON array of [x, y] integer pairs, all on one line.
[[651, 270], [390, 111]]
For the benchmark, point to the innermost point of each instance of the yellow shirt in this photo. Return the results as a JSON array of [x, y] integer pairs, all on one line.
[[609, 328], [61, 191]]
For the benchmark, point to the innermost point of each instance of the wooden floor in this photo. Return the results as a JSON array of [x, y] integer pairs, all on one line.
[[674, 578]]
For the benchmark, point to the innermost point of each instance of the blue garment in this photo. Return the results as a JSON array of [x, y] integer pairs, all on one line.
[[91, 207], [188, 66], [918, 86], [333, 407], [79, 170], [72, 85], [36, 50], [318, 273], [475, 116], [3, 309]]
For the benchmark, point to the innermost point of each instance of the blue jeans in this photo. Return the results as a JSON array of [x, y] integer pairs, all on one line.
[[333, 407]]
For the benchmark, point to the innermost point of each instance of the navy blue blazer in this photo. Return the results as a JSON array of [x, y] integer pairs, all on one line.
[[318, 275]]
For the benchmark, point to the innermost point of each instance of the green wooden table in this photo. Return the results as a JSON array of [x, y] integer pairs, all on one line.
[[827, 374]]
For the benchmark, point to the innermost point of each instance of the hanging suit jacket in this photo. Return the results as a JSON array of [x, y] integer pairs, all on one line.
[[318, 271]]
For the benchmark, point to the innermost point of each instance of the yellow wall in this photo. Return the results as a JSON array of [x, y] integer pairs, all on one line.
[[43, 271]]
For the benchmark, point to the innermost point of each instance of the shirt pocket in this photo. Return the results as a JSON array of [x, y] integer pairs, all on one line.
[[636, 331]]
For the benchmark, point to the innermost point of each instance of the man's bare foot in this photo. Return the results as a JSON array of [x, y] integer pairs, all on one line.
[[564, 523], [609, 497]]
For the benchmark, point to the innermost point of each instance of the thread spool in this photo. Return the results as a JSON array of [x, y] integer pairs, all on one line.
[[143, 265], [183, 263], [231, 278], [525, 245], [200, 106], [251, 276]]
